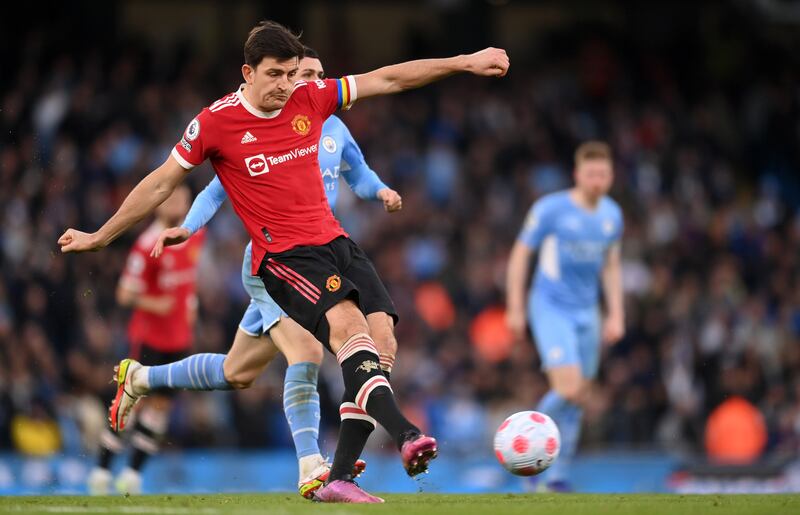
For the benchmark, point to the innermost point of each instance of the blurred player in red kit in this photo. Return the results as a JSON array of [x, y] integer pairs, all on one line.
[[161, 293]]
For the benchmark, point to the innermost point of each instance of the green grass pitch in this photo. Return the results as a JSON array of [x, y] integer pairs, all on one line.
[[497, 504]]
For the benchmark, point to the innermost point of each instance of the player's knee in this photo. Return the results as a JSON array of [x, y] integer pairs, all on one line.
[[306, 351], [345, 319], [238, 379], [385, 342], [313, 353], [382, 332], [571, 391]]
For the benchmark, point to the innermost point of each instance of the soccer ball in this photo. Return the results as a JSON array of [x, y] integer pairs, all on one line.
[[526, 443]]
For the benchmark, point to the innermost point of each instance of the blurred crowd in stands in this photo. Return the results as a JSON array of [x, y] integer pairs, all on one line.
[[708, 174]]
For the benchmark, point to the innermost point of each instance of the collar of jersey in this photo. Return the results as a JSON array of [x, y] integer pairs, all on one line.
[[252, 110]]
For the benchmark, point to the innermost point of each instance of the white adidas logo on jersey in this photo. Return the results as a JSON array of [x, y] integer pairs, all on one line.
[[248, 138]]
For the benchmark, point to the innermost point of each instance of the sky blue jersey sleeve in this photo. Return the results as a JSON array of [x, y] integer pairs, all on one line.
[[362, 179], [205, 206], [538, 224]]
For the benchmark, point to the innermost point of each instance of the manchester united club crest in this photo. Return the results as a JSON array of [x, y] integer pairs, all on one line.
[[334, 283], [301, 124]]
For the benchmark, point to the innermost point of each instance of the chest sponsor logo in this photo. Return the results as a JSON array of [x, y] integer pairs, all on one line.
[[301, 124], [256, 165], [329, 144], [294, 154], [193, 130]]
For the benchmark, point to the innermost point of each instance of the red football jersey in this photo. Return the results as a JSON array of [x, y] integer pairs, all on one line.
[[267, 163], [173, 274]]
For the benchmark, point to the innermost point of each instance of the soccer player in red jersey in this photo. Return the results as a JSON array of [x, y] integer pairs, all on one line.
[[162, 296], [318, 276]]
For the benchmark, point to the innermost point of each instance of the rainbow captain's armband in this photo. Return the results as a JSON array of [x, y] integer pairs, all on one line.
[[346, 88]]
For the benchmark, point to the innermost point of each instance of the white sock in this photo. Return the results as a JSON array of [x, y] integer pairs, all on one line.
[[140, 381], [307, 464]]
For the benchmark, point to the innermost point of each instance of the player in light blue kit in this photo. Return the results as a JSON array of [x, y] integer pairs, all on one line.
[[577, 234], [265, 329]]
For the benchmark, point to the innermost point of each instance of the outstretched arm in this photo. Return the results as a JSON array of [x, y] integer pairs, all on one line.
[[366, 184], [140, 202], [363, 180], [490, 62], [204, 207]]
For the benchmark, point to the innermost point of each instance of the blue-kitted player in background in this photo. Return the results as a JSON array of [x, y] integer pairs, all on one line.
[[577, 235], [265, 329]]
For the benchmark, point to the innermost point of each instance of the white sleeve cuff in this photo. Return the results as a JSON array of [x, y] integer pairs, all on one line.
[[181, 161]]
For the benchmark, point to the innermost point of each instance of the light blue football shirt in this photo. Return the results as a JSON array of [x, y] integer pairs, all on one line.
[[572, 244]]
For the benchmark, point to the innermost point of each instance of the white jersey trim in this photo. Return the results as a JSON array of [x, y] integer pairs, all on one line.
[[181, 161], [251, 109], [548, 258]]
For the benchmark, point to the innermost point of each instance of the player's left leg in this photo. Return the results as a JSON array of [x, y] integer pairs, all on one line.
[[301, 400], [556, 332], [574, 386], [381, 317]]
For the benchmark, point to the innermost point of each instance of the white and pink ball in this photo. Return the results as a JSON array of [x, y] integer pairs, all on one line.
[[527, 443]]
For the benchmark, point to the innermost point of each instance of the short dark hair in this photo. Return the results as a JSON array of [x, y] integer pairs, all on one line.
[[271, 39], [310, 52], [593, 150]]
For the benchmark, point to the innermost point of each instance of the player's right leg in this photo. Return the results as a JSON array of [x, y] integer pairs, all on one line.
[[247, 358], [556, 334], [236, 369]]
